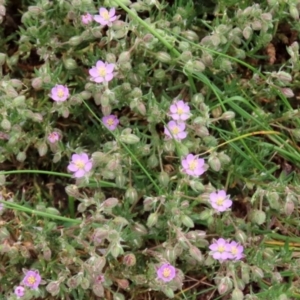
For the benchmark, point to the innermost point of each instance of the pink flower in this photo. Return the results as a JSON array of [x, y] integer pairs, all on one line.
[[86, 18], [166, 272], [53, 137], [80, 165], [106, 17], [19, 291], [102, 72], [236, 250], [59, 93], [111, 122], [192, 165], [32, 279], [175, 130], [220, 201], [220, 250], [179, 111]]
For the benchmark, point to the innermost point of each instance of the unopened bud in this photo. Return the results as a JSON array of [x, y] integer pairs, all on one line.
[[2, 59], [247, 32], [110, 202], [294, 11], [75, 40], [152, 161], [70, 64], [214, 162], [116, 250], [122, 283], [129, 260], [196, 253], [241, 237], [140, 229], [228, 115], [120, 180], [273, 199], [118, 296], [287, 92], [129, 139], [163, 57], [47, 253], [42, 148], [187, 221], [53, 288], [289, 207], [6, 125], [17, 84], [225, 285], [237, 294], [131, 195], [21, 156], [164, 178], [124, 57], [37, 83], [19, 101], [191, 35], [257, 273], [152, 220]]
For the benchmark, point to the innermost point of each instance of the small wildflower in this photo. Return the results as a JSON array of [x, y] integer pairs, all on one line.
[[236, 250], [193, 166], [80, 165], [179, 111], [220, 250], [32, 279], [102, 72], [175, 130], [86, 18], [19, 291], [59, 93], [220, 201], [99, 279], [166, 272], [53, 137], [111, 122], [106, 17]]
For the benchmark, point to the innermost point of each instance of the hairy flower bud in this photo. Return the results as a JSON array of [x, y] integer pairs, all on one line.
[[53, 288], [228, 115], [225, 285], [70, 64], [196, 253], [257, 273], [237, 294], [75, 40], [37, 83], [152, 220], [164, 178], [42, 148], [6, 125], [187, 221], [131, 195], [129, 260], [21, 156], [163, 57]]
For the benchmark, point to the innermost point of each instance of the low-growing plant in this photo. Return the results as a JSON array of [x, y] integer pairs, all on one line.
[[149, 149]]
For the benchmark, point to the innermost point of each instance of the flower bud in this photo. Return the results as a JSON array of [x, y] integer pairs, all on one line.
[[53, 288], [164, 178], [289, 207], [196, 253], [6, 125], [120, 180], [287, 92], [75, 40], [129, 139], [205, 214], [129, 260], [42, 148], [118, 296], [163, 57], [187, 221], [17, 84], [35, 10], [225, 285], [19, 101], [273, 199], [257, 273], [268, 253], [294, 11], [116, 250], [2, 59], [241, 237], [159, 74], [152, 161], [131, 195], [237, 294], [122, 283], [258, 216], [70, 64], [124, 57], [228, 115], [47, 253], [152, 220], [140, 229], [186, 56], [4, 234], [169, 146], [191, 35], [21, 156], [37, 83], [214, 162], [247, 32], [110, 202]]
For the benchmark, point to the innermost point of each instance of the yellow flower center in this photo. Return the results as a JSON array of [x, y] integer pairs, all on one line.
[[79, 164], [166, 272], [110, 122], [105, 15], [220, 201], [60, 93], [102, 71], [31, 280], [221, 249], [193, 165], [234, 250], [180, 111], [175, 130]]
